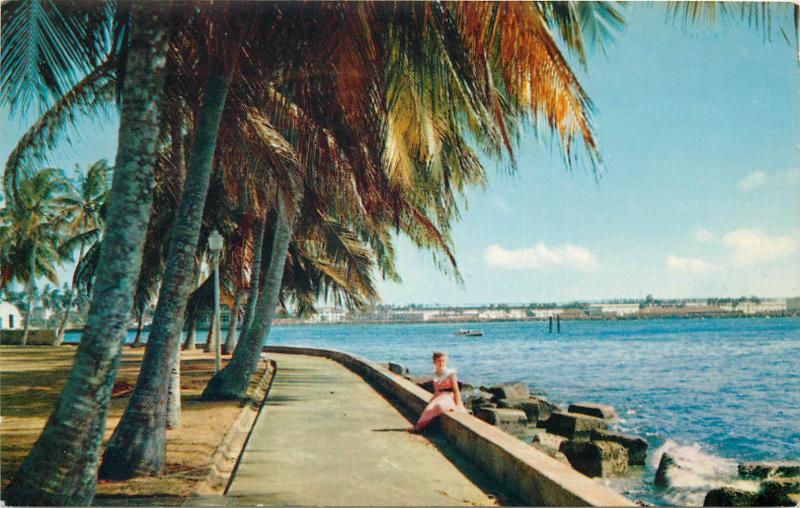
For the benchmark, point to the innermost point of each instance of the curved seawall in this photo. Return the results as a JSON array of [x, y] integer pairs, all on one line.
[[532, 476]]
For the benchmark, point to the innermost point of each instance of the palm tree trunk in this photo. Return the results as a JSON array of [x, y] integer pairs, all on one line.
[[63, 324], [138, 445], [255, 275], [137, 341], [231, 382], [61, 467], [174, 394], [212, 334], [31, 289], [62, 327], [191, 320], [233, 321]]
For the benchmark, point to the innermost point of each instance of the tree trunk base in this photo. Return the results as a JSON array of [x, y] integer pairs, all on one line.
[[223, 386], [26, 492], [136, 450]]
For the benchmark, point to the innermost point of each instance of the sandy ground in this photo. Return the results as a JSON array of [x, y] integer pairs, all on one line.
[[31, 379]]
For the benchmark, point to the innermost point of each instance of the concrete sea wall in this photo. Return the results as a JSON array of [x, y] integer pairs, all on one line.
[[532, 476]]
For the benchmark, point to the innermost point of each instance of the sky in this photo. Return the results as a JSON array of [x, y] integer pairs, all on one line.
[[699, 196]]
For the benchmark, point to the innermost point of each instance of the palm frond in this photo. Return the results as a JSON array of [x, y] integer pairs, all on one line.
[[48, 47], [87, 97]]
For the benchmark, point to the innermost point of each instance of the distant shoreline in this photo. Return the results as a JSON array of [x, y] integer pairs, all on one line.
[[297, 322]]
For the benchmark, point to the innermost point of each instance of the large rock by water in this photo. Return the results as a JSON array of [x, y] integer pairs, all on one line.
[[767, 469], [537, 409], [664, 464], [780, 492], [476, 398], [550, 444], [398, 369], [729, 496], [545, 439], [598, 458], [513, 421], [573, 425], [636, 446], [514, 391], [596, 410]]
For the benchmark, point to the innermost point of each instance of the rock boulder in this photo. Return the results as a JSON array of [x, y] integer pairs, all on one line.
[[729, 496], [779, 492], [398, 369], [664, 465], [599, 458], [636, 446], [758, 470], [596, 410], [573, 425], [513, 421], [510, 391]]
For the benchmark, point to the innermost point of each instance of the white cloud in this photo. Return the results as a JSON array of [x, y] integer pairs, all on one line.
[[752, 181], [541, 256], [751, 245], [703, 235], [691, 265]]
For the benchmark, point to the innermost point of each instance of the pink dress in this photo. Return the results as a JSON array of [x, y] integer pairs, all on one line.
[[440, 403]]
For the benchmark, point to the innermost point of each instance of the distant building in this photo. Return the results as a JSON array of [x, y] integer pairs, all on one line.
[[545, 313], [617, 309], [762, 307], [330, 315], [41, 313], [10, 317]]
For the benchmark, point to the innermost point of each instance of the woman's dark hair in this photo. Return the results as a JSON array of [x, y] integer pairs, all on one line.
[[438, 354]]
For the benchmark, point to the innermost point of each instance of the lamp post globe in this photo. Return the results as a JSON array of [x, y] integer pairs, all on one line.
[[215, 242]]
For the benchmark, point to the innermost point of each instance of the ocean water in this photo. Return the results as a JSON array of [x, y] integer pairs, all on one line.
[[712, 392]]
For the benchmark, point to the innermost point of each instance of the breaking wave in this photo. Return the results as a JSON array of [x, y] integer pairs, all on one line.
[[695, 472]]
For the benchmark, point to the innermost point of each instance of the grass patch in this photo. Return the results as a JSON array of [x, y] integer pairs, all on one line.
[[31, 380]]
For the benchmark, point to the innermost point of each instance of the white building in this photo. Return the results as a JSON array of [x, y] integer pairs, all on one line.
[[764, 306], [618, 309], [502, 314], [330, 315], [10, 317], [545, 313]]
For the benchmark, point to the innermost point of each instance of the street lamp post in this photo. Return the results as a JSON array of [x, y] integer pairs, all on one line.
[[215, 246]]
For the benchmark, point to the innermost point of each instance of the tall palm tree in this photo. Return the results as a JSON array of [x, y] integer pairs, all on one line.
[[76, 426], [420, 80], [82, 213], [31, 229], [138, 444]]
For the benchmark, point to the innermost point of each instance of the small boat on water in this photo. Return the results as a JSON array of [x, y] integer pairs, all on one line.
[[469, 333]]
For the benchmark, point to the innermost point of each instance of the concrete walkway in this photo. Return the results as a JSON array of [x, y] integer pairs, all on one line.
[[325, 437]]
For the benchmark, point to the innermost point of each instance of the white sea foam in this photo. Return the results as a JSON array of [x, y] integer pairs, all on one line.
[[695, 472]]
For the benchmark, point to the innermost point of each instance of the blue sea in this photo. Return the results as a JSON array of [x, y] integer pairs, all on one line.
[[712, 392]]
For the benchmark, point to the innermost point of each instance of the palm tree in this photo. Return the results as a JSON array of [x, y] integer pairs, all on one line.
[[409, 157], [83, 215], [138, 444], [66, 302], [30, 229], [76, 427]]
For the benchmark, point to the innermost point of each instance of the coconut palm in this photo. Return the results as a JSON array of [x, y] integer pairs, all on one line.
[[30, 229], [76, 427], [429, 68], [82, 214], [138, 444]]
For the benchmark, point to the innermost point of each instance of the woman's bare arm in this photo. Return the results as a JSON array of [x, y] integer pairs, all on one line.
[[456, 391]]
